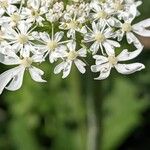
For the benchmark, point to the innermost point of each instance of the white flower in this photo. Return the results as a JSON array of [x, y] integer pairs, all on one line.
[[101, 12], [73, 20], [128, 29], [105, 64], [35, 12], [56, 12], [12, 79], [20, 37], [123, 7], [69, 57], [101, 36], [13, 17], [6, 5], [50, 45]]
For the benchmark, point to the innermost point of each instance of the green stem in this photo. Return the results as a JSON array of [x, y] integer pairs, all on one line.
[[91, 118]]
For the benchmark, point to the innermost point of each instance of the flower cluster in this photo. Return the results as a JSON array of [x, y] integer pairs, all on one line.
[[33, 30]]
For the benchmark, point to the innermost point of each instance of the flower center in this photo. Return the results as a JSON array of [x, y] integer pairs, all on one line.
[[100, 37], [102, 14], [26, 62], [4, 4], [118, 6], [73, 24], [72, 55], [15, 17], [22, 39], [35, 13], [112, 60], [52, 45], [126, 27]]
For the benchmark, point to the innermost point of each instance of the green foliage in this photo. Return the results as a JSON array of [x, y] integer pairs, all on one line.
[[122, 108]]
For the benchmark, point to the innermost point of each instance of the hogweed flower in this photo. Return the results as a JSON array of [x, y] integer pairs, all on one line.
[[34, 29], [70, 56], [12, 79], [105, 64]]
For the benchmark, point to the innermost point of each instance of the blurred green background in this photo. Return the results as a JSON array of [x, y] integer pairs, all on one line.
[[79, 113]]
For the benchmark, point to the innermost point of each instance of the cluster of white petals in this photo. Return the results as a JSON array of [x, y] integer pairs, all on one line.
[[33, 30]]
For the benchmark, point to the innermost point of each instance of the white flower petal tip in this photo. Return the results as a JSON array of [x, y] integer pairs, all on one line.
[[126, 55], [36, 74], [13, 78], [104, 74], [129, 68], [141, 28]]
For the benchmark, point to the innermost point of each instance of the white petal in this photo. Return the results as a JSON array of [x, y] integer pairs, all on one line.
[[89, 37], [144, 23], [131, 38], [59, 68], [80, 65], [9, 33], [82, 52], [94, 27], [71, 33], [36, 74], [140, 28], [25, 51], [71, 46], [114, 22], [67, 69], [11, 9], [44, 36], [143, 32], [104, 71], [94, 47], [24, 27], [132, 13], [17, 80], [83, 30], [16, 47], [58, 36], [8, 57], [126, 55], [53, 56], [95, 6], [100, 59], [129, 68], [6, 77], [109, 49], [113, 43], [34, 3], [38, 58]]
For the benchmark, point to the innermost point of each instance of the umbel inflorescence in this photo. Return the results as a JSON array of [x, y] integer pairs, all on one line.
[[33, 30]]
